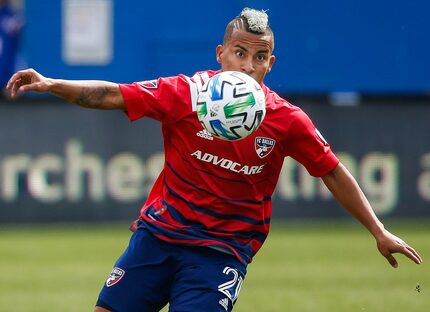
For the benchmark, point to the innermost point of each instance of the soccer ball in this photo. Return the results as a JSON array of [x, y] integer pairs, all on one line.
[[231, 105]]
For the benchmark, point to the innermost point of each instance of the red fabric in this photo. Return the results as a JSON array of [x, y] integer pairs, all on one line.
[[222, 186]]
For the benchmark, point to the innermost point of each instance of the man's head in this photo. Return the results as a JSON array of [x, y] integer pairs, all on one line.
[[248, 45]]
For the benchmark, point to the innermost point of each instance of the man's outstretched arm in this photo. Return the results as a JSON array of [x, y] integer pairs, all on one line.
[[86, 93], [348, 193]]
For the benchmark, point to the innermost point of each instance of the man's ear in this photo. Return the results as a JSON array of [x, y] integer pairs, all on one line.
[[271, 61], [219, 50]]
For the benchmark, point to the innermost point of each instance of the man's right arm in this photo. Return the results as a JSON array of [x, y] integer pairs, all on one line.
[[86, 93]]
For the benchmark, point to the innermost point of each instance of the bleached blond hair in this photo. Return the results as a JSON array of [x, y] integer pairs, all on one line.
[[258, 21], [251, 20]]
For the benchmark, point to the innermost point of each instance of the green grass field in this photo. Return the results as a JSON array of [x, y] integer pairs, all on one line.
[[302, 267]]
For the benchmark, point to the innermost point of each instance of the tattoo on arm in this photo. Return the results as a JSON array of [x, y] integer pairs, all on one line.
[[94, 97]]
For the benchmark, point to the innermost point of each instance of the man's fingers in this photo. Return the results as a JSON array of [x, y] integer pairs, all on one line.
[[389, 244], [406, 250], [28, 87], [13, 86], [409, 252], [14, 83], [16, 87], [19, 85], [24, 81], [10, 82], [392, 261], [413, 255], [14, 77]]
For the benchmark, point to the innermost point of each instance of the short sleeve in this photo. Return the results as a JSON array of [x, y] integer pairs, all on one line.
[[307, 146], [163, 99]]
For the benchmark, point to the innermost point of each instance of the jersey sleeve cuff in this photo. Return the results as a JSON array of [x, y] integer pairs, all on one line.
[[326, 164], [133, 101]]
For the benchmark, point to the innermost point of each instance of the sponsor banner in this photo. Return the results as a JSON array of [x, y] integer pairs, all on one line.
[[59, 162]]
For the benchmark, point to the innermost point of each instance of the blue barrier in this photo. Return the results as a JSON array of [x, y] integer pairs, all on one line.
[[321, 46]]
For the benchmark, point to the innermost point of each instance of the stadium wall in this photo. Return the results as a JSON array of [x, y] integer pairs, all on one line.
[[59, 162], [321, 46]]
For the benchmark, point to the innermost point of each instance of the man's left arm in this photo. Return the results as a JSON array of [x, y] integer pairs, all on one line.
[[348, 193]]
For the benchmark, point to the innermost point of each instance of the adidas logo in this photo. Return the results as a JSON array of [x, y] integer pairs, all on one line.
[[224, 303], [205, 135]]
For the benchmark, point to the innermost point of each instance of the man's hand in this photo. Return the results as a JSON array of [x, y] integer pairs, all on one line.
[[27, 80], [86, 93], [348, 193], [388, 244]]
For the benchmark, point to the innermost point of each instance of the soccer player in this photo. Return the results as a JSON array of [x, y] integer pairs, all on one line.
[[209, 211]]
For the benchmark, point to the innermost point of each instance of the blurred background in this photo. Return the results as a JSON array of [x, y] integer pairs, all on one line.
[[72, 179], [359, 69]]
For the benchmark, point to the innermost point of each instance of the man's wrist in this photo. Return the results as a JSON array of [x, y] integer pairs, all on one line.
[[378, 230]]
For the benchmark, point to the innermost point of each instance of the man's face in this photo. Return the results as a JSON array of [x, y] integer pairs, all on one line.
[[247, 52]]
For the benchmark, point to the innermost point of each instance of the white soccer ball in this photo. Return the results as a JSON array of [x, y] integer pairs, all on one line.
[[231, 105]]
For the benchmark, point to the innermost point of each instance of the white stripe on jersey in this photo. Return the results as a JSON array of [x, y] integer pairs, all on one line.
[[196, 83]]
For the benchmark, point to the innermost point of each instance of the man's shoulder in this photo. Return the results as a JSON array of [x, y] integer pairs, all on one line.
[[276, 102], [200, 76], [196, 82], [208, 72], [201, 73]]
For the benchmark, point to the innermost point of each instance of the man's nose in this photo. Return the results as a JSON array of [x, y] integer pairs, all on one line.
[[247, 66]]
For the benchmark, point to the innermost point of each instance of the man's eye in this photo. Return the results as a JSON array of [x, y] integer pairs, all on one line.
[[239, 53], [261, 57]]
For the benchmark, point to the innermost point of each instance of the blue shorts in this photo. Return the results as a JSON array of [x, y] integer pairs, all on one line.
[[151, 273]]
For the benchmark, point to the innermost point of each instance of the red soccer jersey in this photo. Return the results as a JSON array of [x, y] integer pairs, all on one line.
[[213, 192]]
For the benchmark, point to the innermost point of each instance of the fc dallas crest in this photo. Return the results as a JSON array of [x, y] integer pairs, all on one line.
[[263, 146], [149, 84], [114, 276]]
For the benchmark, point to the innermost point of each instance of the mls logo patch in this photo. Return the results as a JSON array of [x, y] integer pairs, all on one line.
[[263, 146], [150, 84], [114, 276]]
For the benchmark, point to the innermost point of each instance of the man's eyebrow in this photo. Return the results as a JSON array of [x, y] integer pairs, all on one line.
[[240, 47], [265, 50]]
